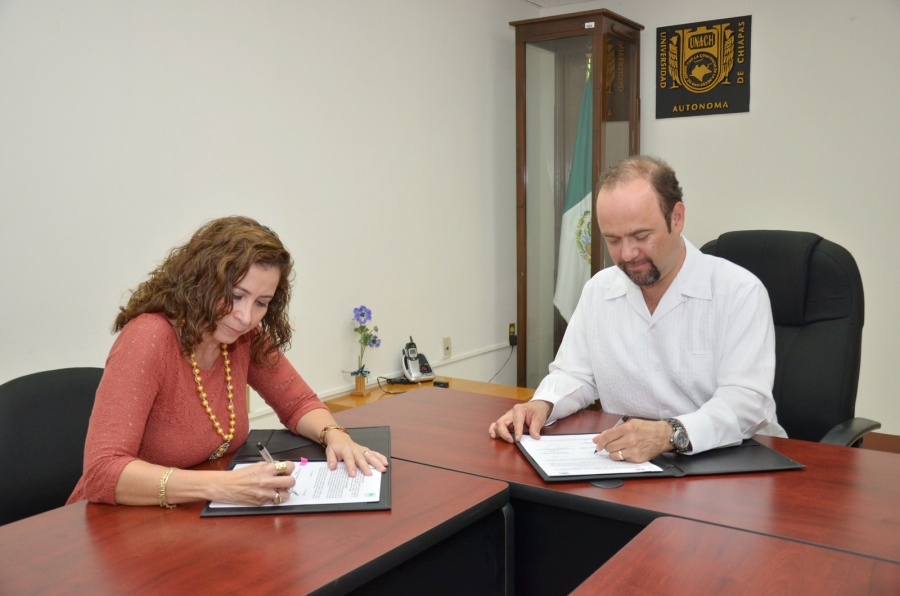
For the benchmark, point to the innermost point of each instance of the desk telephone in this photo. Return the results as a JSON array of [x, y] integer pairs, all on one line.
[[415, 366]]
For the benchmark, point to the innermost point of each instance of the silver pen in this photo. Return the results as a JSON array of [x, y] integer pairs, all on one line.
[[269, 459], [265, 453], [623, 420]]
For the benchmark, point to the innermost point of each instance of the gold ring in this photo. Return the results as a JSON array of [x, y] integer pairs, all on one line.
[[277, 498], [366, 452], [281, 468], [621, 457]]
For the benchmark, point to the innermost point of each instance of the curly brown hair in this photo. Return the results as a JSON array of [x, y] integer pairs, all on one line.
[[193, 285]]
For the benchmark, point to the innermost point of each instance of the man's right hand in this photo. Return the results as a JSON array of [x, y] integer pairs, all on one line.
[[531, 415]]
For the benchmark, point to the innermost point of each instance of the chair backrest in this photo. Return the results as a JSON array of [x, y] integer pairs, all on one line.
[[817, 305], [44, 419]]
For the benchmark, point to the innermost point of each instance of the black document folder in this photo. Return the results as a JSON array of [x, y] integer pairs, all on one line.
[[286, 446], [749, 456]]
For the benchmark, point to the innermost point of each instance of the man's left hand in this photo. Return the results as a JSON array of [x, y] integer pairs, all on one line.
[[636, 441]]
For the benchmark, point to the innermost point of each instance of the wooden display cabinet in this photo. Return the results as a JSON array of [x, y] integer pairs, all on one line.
[[573, 72]]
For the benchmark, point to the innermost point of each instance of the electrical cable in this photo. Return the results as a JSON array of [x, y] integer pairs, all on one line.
[[378, 379], [511, 348]]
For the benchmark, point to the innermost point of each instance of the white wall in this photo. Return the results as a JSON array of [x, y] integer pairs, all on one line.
[[816, 152], [372, 135], [377, 139]]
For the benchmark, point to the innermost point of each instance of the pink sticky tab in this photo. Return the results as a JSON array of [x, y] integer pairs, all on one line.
[[303, 461]]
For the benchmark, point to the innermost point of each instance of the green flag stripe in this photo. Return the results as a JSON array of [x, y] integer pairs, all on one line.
[[580, 176]]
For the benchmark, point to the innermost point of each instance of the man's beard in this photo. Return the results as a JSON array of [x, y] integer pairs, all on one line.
[[641, 279]]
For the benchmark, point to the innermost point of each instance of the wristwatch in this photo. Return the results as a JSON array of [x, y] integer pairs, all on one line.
[[679, 438]]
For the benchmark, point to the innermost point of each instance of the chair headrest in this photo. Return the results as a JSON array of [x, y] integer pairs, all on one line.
[[780, 260]]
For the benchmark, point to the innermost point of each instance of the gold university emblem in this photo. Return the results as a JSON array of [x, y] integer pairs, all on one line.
[[701, 59]]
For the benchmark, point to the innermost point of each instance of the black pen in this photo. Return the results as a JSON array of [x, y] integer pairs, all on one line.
[[622, 421]]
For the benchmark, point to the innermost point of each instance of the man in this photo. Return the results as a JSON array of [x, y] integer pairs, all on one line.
[[680, 341]]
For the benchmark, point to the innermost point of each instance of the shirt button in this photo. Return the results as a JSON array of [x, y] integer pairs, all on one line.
[[656, 368]]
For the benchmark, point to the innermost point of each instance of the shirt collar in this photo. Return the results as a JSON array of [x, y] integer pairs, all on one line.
[[692, 279]]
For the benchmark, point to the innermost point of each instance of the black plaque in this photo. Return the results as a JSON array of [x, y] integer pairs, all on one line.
[[703, 68]]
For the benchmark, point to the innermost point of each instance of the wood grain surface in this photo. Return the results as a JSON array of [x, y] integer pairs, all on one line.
[[103, 549], [846, 498], [685, 557]]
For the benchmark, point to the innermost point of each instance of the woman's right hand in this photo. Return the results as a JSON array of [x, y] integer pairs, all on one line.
[[256, 484]]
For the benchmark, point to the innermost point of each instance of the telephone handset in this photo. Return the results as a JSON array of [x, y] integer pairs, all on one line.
[[415, 366]]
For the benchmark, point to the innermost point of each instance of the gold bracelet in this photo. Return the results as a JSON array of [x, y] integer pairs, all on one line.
[[162, 490], [328, 428]]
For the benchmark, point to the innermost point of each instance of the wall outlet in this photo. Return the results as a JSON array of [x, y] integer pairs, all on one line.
[[513, 339], [446, 348]]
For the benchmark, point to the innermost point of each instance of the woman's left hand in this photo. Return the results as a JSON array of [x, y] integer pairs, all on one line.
[[342, 448]]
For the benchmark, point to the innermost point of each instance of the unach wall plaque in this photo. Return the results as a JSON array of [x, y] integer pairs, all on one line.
[[703, 68]]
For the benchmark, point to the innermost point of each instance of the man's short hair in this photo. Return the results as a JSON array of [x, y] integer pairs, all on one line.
[[656, 171]]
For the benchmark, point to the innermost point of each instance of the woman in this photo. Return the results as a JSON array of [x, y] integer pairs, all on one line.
[[211, 318]]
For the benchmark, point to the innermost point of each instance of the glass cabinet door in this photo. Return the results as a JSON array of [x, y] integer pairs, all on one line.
[[577, 111], [558, 108]]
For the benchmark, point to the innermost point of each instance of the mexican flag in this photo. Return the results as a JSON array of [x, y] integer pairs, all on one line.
[[573, 269]]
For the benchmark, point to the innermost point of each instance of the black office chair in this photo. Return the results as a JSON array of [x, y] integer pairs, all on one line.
[[43, 424], [817, 303]]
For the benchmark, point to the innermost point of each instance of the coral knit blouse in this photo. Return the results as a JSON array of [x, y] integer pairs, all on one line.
[[147, 405]]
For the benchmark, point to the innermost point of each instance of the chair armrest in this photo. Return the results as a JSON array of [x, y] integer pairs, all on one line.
[[850, 431]]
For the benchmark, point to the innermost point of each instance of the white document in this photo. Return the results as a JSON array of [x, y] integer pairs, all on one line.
[[317, 485], [574, 455]]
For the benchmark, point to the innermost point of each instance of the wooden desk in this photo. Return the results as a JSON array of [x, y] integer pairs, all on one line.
[[845, 499], [437, 516], [686, 557]]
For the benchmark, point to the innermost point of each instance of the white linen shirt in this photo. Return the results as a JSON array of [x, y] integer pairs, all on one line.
[[706, 355]]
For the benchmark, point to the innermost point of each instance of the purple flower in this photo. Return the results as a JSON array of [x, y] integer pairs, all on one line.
[[362, 314], [374, 342]]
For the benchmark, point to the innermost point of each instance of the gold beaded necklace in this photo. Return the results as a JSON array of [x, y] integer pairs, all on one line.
[[220, 451]]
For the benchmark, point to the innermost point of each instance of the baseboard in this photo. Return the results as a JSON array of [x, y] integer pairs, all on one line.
[[882, 442]]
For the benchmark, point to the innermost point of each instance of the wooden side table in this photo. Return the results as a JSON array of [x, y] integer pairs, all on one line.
[[346, 401]]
